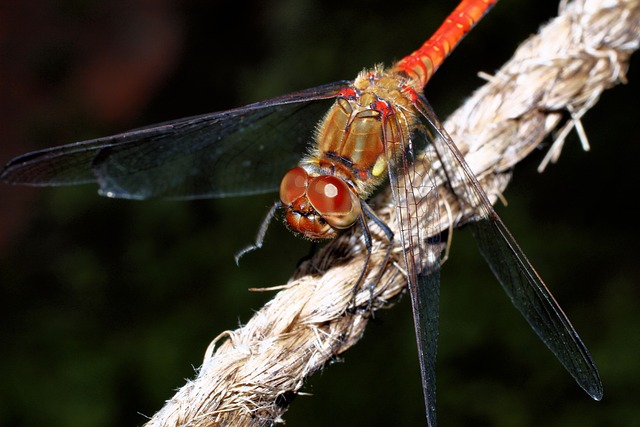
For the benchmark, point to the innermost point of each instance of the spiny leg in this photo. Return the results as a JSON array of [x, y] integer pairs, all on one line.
[[261, 233], [367, 212]]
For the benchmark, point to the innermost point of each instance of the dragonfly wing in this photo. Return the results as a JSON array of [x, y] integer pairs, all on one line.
[[425, 305], [415, 201], [535, 302], [235, 152], [517, 276]]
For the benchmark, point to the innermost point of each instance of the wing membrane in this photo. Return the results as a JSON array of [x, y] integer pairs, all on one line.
[[517, 276], [236, 152], [415, 201]]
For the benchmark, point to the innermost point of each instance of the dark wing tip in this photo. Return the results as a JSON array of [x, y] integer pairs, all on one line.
[[62, 165], [19, 171], [595, 390]]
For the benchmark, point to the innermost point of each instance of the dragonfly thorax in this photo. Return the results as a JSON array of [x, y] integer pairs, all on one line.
[[349, 160]]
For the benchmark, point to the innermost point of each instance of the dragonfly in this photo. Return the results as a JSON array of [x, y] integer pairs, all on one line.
[[357, 136]]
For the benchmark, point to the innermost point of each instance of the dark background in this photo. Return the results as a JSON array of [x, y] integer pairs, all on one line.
[[108, 305]]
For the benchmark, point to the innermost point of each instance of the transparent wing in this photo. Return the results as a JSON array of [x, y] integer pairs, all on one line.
[[425, 303], [235, 152], [517, 276], [415, 199]]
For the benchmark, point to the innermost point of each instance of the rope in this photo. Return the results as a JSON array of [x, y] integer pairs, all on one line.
[[552, 80]]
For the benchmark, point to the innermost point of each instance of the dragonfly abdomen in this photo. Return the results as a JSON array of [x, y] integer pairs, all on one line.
[[423, 63]]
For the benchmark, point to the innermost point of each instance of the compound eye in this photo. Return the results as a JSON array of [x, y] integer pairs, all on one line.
[[338, 204], [293, 185]]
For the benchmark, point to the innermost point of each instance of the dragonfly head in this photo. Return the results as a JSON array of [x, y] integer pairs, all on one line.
[[318, 206]]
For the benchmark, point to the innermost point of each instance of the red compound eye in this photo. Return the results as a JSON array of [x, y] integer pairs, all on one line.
[[293, 185], [334, 200]]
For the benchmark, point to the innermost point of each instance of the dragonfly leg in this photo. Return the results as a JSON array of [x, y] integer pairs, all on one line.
[[367, 212], [261, 233]]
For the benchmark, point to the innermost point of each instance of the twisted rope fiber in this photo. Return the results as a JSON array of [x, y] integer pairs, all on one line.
[[560, 72]]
